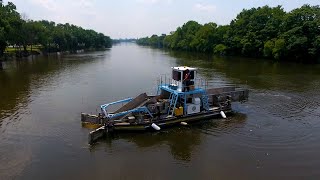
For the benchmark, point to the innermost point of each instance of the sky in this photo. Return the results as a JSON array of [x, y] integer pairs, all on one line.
[[140, 18]]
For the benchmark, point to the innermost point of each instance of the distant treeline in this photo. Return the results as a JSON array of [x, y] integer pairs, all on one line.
[[123, 40], [257, 32], [16, 31]]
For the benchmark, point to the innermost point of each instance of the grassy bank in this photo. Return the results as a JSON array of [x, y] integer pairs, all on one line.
[[35, 48]]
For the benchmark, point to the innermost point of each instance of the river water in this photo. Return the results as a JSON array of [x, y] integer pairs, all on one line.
[[275, 135]]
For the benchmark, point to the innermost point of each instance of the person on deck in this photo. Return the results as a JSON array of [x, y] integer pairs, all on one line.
[[186, 80]]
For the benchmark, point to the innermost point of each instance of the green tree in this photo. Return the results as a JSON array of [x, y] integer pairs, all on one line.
[[10, 24], [300, 31], [204, 38], [57, 37], [268, 48], [253, 27], [256, 32], [220, 49], [279, 50]]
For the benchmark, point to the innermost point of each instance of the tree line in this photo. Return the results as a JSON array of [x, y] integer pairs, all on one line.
[[257, 32], [52, 37]]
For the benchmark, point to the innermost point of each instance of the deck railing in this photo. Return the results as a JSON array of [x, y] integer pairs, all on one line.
[[165, 79]]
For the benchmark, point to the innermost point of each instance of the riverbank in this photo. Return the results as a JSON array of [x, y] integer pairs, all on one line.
[[263, 32], [12, 52], [45, 36]]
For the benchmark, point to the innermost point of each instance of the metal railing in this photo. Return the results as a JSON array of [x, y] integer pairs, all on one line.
[[165, 79]]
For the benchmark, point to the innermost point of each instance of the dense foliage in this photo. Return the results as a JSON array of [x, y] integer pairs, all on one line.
[[57, 37], [258, 32]]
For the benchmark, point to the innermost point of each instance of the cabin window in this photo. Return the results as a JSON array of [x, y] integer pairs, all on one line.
[[191, 74], [176, 75]]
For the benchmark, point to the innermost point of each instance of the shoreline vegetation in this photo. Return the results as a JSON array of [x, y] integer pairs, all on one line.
[[21, 37], [263, 32]]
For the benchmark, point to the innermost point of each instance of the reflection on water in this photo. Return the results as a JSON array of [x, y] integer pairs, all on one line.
[[275, 134], [19, 75], [182, 141], [22, 82]]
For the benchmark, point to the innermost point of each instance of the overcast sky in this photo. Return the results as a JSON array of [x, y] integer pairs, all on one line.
[[139, 18]]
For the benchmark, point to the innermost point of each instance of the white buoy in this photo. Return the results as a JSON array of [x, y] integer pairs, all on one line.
[[184, 123], [223, 114], [154, 126]]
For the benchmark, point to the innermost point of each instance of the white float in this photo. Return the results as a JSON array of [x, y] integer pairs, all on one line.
[[223, 114], [154, 126], [184, 123]]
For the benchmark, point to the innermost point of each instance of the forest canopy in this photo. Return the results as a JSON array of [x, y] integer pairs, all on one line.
[[267, 32], [16, 31]]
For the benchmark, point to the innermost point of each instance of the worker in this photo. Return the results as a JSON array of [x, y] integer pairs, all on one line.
[[186, 80]]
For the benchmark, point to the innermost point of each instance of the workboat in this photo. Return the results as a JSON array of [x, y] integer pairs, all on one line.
[[181, 98]]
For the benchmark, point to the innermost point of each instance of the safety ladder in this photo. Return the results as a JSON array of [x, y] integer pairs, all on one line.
[[173, 101], [205, 103]]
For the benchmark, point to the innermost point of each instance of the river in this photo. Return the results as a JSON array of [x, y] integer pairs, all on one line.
[[275, 135]]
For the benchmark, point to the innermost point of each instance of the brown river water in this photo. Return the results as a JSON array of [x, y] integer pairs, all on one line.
[[275, 135]]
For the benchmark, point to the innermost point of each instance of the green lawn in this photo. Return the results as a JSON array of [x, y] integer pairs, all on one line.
[[34, 48]]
